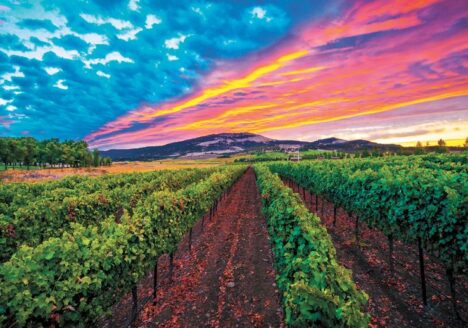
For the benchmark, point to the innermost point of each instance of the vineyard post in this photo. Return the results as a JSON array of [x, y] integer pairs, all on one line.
[[304, 195], [316, 202], [190, 239], [155, 281], [203, 222], [423, 274], [453, 295], [171, 264], [356, 230], [323, 204], [135, 303], [334, 215], [390, 254]]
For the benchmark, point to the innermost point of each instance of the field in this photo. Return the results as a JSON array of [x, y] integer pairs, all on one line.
[[378, 242], [21, 174]]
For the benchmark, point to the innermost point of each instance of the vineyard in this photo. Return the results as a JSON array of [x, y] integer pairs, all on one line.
[[316, 243]]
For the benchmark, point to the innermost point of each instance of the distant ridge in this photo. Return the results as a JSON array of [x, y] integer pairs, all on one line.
[[230, 143]]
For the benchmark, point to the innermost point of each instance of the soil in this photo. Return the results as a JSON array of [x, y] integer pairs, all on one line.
[[227, 279], [394, 301]]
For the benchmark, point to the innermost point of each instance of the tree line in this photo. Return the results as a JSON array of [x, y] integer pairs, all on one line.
[[27, 151]]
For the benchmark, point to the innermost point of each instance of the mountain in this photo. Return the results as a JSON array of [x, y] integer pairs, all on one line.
[[229, 143]]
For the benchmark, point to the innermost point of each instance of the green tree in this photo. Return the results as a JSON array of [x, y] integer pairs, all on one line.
[[96, 157], [4, 148], [29, 148]]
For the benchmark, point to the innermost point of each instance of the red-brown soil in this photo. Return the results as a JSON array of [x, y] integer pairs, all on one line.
[[393, 301], [227, 279]]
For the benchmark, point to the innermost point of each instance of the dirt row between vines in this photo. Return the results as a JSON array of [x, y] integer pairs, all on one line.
[[227, 279], [393, 301]]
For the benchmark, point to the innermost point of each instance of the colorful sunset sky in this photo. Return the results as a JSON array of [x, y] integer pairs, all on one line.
[[125, 74]]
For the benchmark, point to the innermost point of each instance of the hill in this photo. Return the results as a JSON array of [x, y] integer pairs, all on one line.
[[230, 143]]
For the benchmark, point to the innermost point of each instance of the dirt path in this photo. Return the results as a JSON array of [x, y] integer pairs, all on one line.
[[393, 301], [227, 280]]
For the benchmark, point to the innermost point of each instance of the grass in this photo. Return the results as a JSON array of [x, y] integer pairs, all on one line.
[[17, 167], [40, 174]]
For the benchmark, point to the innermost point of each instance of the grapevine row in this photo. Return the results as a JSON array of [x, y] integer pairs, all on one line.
[[402, 201], [75, 278], [415, 204], [44, 217], [316, 290]]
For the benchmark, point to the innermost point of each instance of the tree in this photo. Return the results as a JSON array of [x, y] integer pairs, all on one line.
[[14, 155], [466, 143], [418, 144], [53, 152], [441, 143], [96, 157], [4, 147], [28, 151], [29, 146]]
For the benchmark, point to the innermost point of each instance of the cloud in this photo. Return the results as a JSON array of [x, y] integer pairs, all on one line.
[[52, 70], [71, 42], [133, 5], [10, 76], [172, 57], [100, 73], [119, 24], [258, 12], [60, 85], [152, 20], [35, 24], [114, 56], [11, 42], [174, 43], [129, 34]]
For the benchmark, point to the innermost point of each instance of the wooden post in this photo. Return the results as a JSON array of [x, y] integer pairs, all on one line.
[[334, 215], [323, 204], [423, 274], [155, 281], [190, 240], [390, 254], [356, 230], [203, 221], [453, 295], [135, 303], [171, 265], [316, 203]]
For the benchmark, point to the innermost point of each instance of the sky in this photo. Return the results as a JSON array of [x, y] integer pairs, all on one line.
[[125, 74]]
